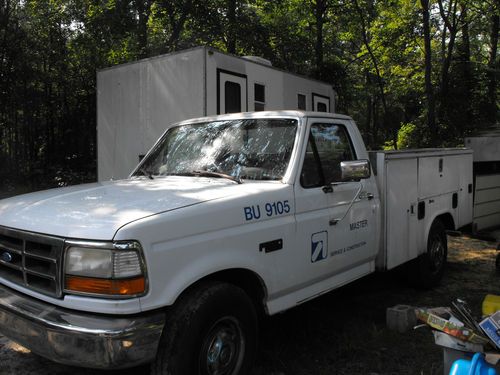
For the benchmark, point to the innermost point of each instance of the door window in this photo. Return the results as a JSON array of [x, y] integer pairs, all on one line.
[[232, 97], [321, 107], [328, 145]]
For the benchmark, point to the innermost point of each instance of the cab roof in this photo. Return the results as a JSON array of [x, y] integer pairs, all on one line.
[[268, 114]]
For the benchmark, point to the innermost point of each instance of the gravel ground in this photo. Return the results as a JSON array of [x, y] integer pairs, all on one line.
[[344, 331]]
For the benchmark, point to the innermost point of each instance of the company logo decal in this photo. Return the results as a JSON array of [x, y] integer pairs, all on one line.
[[319, 246]]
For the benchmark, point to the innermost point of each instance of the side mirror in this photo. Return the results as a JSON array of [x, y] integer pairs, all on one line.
[[355, 170]]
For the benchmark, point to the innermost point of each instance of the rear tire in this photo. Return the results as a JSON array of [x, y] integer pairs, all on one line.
[[427, 270], [211, 330]]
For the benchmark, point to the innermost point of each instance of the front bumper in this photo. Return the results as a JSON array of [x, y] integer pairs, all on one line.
[[76, 338]]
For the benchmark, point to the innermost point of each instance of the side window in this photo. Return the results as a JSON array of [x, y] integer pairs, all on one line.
[[260, 97], [328, 145], [301, 101]]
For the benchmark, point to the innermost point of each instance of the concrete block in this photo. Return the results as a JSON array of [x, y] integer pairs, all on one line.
[[401, 318]]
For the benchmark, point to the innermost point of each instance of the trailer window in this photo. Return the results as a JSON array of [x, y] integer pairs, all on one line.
[[301, 102], [328, 145], [257, 149], [260, 97]]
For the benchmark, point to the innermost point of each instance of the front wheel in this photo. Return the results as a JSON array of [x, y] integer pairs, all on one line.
[[427, 270], [212, 330]]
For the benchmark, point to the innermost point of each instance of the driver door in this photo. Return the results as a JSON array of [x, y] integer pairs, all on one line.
[[336, 228]]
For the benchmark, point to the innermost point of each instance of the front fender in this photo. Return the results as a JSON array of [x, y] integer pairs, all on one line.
[[174, 266]]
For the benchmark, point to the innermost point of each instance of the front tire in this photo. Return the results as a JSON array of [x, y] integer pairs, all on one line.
[[212, 330], [428, 269]]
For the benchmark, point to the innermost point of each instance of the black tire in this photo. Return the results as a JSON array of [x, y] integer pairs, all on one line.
[[211, 330], [427, 270], [497, 264]]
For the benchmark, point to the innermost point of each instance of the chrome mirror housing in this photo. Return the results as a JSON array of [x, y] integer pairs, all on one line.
[[355, 170]]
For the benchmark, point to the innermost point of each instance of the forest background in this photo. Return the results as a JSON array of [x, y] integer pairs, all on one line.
[[412, 73]]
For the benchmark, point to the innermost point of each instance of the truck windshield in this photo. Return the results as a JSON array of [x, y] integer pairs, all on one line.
[[256, 149]]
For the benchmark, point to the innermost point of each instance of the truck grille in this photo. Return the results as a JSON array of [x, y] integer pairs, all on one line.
[[32, 261]]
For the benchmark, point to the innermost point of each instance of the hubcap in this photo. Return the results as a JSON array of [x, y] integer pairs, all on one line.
[[223, 348]]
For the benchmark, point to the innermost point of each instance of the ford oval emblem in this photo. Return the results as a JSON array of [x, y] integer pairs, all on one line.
[[7, 257]]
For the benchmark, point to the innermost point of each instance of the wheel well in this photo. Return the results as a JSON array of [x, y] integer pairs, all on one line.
[[447, 220], [247, 280]]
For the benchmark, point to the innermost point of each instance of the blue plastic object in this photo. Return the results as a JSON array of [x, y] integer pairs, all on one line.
[[477, 366]]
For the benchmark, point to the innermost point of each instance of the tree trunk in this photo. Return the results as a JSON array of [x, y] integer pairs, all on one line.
[[320, 8], [444, 35], [177, 23], [465, 61], [452, 26], [493, 63], [143, 11], [369, 128], [429, 90], [366, 42], [4, 25], [231, 22]]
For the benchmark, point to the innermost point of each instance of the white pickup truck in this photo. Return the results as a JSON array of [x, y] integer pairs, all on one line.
[[225, 218]]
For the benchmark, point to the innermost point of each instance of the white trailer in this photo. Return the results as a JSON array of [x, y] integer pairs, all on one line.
[[486, 147], [137, 101]]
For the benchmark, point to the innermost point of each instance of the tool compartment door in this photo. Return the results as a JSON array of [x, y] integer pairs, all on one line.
[[438, 175], [401, 211]]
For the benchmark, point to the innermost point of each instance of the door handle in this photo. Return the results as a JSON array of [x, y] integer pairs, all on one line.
[[327, 189], [365, 195]]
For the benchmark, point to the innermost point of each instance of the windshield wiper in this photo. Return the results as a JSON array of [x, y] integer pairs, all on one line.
[[146, 173], [218, 174], [199, 173]]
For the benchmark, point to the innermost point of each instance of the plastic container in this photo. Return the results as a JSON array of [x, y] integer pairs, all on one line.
[[477, 366], [491, 304]]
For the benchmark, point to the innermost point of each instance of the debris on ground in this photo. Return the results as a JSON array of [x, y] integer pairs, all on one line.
[[469, 343]]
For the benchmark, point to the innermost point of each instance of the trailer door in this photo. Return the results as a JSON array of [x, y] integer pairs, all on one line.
[[231, 92], [321, 103]]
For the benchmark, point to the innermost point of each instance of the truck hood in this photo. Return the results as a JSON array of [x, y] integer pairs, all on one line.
[[97, 211]]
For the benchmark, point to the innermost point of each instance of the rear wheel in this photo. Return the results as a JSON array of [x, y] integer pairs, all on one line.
[[428, 269], [211, 331]]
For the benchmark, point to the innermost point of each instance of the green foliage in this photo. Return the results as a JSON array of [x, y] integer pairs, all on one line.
[[408, 137], [372, 52]]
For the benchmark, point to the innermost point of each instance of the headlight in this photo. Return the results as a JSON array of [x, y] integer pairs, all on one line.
[[105, 269]]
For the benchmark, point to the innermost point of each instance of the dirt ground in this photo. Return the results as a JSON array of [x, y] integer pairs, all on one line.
[[343, 332]]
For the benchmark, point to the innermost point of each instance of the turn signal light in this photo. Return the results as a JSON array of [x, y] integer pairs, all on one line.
[[116, 287]]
